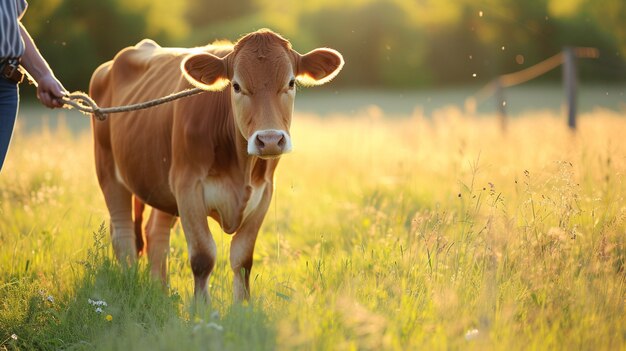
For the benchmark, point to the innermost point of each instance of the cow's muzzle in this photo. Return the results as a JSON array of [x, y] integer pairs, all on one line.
[[269, 143]]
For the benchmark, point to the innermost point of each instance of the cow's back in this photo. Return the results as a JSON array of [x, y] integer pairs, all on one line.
[[135, 147]]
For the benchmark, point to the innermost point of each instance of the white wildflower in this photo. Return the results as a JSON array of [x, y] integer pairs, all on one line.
[[97, 302], [471, 334], [14, 336], [215, 326], [50, 298], [98, 310], [210, 325]]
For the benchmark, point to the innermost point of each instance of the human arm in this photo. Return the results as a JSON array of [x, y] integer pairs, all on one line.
[[49, 89]]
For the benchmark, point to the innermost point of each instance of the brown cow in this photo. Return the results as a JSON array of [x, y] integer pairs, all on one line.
[[213, 154]]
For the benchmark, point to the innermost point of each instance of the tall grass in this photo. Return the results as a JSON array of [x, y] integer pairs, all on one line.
[[410, 233]]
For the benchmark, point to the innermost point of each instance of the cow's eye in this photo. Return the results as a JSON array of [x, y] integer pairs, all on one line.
[[236, 88], [292, 83]]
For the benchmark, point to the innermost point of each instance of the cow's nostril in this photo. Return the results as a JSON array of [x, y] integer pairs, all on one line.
[[258, 142], [282, 141]]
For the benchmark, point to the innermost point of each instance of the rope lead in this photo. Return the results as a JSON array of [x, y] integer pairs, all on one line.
[[83, 103]]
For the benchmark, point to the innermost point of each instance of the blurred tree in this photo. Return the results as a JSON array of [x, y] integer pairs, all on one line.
[[164, 18], [77, 36], [455, 53], [201, 13], [378, 43], [610, 16], [386, 43], [524, 29]]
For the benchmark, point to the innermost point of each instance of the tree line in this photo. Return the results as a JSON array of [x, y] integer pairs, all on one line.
[[386, 43]]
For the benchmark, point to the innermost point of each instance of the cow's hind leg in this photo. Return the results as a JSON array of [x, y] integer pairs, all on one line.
[[118, 200], [158, 241], [138, 207]]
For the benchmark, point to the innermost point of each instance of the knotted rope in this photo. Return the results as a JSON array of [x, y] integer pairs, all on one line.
[[83, 103]]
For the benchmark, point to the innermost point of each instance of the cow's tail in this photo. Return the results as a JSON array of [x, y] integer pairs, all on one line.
[[139, 206]]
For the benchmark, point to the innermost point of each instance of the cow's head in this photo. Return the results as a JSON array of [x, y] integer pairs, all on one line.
[[262, 71]]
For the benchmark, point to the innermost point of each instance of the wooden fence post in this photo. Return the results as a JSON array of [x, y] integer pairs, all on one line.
[[567, 57], [569, 83]]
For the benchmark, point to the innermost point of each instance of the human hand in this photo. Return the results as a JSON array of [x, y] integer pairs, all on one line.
[[50, 91]]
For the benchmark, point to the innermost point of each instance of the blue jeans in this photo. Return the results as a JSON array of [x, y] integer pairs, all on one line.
[[9, 99]]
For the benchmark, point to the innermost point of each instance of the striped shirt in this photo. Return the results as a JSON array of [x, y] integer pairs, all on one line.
[[11, 42]]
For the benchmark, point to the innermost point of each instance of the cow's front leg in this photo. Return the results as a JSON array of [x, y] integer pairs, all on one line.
[[242, 248], [200, 244]]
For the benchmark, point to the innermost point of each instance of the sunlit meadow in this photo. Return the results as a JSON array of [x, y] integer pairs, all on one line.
[[384, 234]]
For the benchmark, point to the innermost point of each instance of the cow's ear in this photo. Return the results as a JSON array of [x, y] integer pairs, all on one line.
[[205, 71], [318, 66]]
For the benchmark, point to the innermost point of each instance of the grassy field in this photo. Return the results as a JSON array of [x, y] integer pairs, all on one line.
[[402, 234]]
